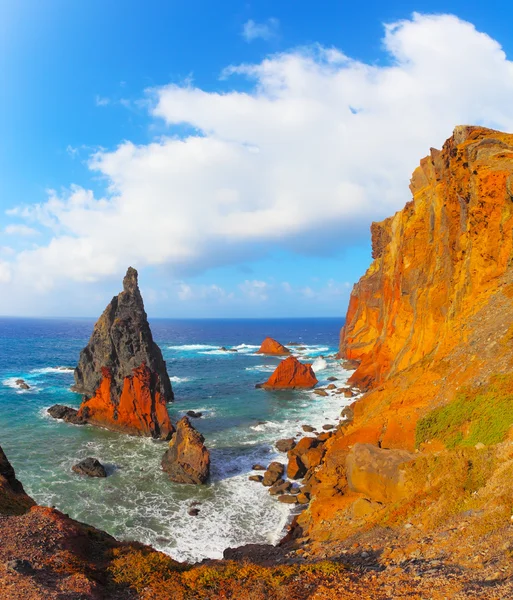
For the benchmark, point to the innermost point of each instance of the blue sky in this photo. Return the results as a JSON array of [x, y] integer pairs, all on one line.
[[234, 152]]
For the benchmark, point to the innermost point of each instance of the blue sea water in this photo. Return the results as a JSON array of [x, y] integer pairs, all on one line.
[[240, 424]]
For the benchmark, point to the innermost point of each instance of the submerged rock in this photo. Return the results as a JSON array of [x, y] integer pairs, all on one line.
[[91, 467], [291, 374], [193, 414], [272, 347], [22, 384], [121, 371], [187, 460]]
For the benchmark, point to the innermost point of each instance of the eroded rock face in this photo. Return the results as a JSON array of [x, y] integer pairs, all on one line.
[[270, 346], [291, 374], [121, 371], [437, 259], [377, 473], [13, 499], [187, 460]]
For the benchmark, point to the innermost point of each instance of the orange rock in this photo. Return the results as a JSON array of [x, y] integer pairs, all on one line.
[[270, 346], [141, 409], [437, 259], [187, 460], [295, 468], [291, 374]]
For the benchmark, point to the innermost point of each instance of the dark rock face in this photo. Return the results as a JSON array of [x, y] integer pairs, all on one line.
[[90, 467], [13, 499], [70, 415], [187, 460], [121, 371]]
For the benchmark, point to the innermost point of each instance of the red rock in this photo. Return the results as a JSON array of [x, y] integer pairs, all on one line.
[[295, 469], [291, 374], [187, 460], [141, 409], [270, 346]]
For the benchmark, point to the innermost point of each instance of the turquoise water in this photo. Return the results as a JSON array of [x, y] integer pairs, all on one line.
[[240, 424]]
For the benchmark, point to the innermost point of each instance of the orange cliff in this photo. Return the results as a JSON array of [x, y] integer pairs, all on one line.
[[431, 317], [437, 260], [291, 374]]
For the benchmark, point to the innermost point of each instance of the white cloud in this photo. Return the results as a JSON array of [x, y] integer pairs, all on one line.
[[20, 230], [213, 291], [320, 146], [5, 272], [255, 290], [101, 101], [265, 31]]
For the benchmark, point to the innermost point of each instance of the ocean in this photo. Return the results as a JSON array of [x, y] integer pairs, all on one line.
[[240, 424]]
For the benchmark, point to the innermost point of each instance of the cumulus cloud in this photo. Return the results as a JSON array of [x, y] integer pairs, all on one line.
[[318, 146], [23, 230], [252, 31]]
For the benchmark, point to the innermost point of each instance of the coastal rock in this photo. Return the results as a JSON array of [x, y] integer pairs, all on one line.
[[187, 460], [91, 467], [67, 414], [295, 467], [22, 384], [321, 392], [285, 445], [193, 414], [274, 472], [272, 347], [13, 499], [308, 428], [121, 371], [257, 478], [287, 499], [291, 374]]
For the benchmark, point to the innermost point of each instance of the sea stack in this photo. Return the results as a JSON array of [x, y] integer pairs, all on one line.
[[272, 347], [121, 371], [187, 460], [291, 374]]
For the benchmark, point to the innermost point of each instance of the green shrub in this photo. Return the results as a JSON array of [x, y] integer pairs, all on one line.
[[475, 415]]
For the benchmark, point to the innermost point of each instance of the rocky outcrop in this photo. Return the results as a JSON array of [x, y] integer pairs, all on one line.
[[66, 413], [437, 260], [377, 473], [187, 460], [13, 499], [272, 347], [291, 374], [121, 371], [91, 467]]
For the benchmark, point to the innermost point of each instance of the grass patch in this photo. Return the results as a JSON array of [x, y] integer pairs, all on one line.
[[475, 415]]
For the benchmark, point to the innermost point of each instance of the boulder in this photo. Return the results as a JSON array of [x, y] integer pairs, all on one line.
[[274, 472], [331, 386], [295, 468], [307, 428], [377, 473], [258, 478], [187, 460], [193, 414], [291, 374], [287, 499], [272, 347], [259, 468], [90, 467], [22, 384], [121, 372], [67, 414], [280, 487], [332, 378], [321, 392], [193, 512], [312, 458], [328, 426], [285, 445]]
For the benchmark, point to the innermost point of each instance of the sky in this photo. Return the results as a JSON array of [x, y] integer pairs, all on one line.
[[235, 153]]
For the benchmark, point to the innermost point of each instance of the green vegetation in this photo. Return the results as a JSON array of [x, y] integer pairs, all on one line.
[[476, 415]]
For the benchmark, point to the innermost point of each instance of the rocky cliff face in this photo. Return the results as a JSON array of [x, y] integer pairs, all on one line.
[[436, 261], [13, 499], [430, 326], [121, 371]]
